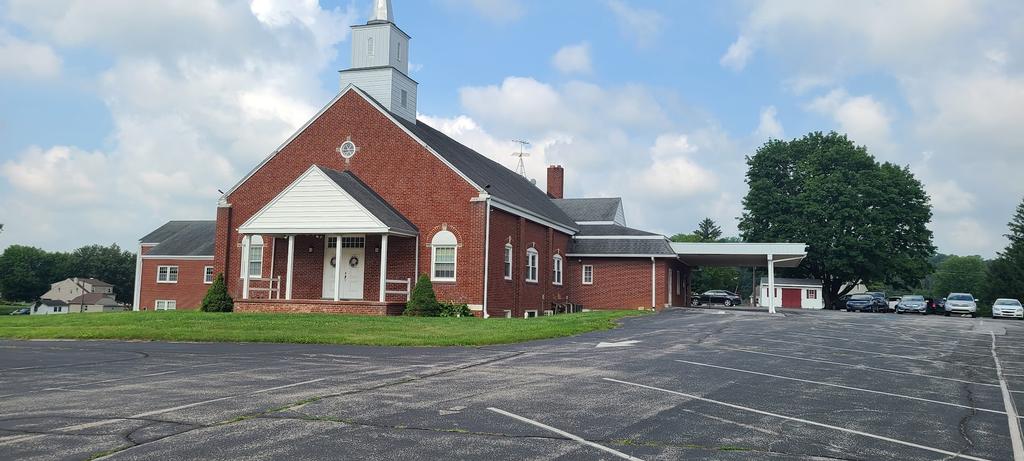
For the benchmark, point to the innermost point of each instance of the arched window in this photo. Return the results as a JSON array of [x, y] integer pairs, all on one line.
[[508, 261], [531, 265], [443, 250], [255, 257], [556, 270], [369, 46]]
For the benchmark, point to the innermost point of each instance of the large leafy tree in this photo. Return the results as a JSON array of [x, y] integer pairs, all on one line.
[[959, 274], [863, 222], [1006, 272], [27, 272]]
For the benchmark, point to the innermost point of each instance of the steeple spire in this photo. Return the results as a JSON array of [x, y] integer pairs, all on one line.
[[382, 12]]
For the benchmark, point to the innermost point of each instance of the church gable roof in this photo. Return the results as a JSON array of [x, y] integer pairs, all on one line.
[[194, 239], [607, 210], [327, 201]]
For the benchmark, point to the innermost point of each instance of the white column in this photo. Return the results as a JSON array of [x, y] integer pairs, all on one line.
[[245, 267], [291, 265], [771, 284], [487, 254], [671, 287], [337, 268], [137, 296], [654, 284], [383, 265]]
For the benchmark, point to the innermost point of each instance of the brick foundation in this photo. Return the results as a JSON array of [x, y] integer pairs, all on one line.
[[315, 306]]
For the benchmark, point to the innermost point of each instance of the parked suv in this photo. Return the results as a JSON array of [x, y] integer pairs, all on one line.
[[1005, 307], [723, 297], [912, 303], [961, 303]]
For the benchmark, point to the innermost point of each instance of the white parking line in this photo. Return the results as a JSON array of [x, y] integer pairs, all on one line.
[[840, 386], [862, 367], [860, 351], [564, 434], [1011, 408], [801, 420], [25, 437]]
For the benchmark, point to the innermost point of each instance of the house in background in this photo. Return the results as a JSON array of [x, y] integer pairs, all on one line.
[[94, 302], [68, 289], [795, 293], [48, 307]]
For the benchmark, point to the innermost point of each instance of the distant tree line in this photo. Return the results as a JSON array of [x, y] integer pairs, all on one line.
[[27, 272]]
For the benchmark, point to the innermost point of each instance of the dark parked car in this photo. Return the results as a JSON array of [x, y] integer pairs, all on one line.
[[882, 301], [723, 297], [865, 303], [912, 303], [22, 311]]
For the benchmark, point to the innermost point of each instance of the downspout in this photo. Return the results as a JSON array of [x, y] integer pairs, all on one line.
[[654, 284], [487, 250]]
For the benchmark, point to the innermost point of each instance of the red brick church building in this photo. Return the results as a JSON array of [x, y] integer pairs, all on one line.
[[345, 214]]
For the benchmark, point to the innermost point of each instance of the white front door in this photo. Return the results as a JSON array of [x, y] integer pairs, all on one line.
[[352, 264]]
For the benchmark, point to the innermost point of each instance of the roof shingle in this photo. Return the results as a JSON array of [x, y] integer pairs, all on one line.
[[194, 239]]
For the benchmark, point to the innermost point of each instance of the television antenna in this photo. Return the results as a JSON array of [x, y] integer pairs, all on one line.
[[521, 166]]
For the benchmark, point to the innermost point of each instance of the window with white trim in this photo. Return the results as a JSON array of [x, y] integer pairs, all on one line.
[[399, 53], [405, 98], [508, 262], [531, 265], [443, 256], [369, 47], [166, 274], [556, 270], [256, 257], [588, 274], [166, 305], [208, 274]]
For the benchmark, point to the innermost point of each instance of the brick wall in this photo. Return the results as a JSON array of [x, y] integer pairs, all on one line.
[[517, 294], [622, 283], [188, 293]]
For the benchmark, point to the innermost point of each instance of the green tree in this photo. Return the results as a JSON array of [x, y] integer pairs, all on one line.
[[959, 274], [110, 264], [26, 272], [708, 231], [217, 298], [1006, 272], [423, 302], [863, 222], [685, 238]]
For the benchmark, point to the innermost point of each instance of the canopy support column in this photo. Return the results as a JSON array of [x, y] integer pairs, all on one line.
[[771, 284]]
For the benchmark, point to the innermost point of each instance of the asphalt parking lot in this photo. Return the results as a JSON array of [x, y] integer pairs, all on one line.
[[693, 384]]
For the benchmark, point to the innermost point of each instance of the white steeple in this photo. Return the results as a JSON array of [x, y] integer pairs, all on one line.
[[382, 12], [380, 62]]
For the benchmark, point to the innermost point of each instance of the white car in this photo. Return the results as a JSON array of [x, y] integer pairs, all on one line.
[[961, 303], [1005, 307]]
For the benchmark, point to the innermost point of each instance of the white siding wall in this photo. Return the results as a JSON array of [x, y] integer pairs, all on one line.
[[313, 203], [817, 303], [385, 85], [400, 62], [401, 82], [381, 44]]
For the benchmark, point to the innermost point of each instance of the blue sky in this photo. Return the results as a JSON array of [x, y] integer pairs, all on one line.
[[117, 115]]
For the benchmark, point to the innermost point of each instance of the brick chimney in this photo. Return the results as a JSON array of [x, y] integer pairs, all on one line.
[[556, 181]]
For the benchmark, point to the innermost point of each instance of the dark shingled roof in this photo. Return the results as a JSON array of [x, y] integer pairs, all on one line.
[[590, 209], [369, 199], [95, 282], [611, 229], [194, 239], [165, 231], [504, 183], [616, 247], [93, 298], [52, 302]]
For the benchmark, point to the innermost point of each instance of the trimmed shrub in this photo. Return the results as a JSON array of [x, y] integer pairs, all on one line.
[[455, 310], [217, 298], [423, 301]]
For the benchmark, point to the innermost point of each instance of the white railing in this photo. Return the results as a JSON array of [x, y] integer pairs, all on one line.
[[407, 291], [273, 287]]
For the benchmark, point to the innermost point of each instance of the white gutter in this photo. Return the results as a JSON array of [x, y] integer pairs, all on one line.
[[138, 280], [487, 250], [654, 284]]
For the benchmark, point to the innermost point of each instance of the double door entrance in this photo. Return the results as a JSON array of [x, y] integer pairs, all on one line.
[[351, 265]]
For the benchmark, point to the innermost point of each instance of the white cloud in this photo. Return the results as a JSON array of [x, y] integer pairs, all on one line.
[[769, 125], [947, 197], [493, 10], [863, 118], [27, 60], [738, 54], [573, 59], [189, 115], [642, 26], [966, 236]]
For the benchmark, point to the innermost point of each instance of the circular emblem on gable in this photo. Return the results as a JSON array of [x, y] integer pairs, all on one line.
[[347, 149]]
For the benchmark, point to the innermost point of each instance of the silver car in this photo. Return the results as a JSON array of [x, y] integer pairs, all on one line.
[[912, 303], [961, 303], [1005, 307]]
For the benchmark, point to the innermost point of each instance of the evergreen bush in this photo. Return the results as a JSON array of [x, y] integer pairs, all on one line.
[[217, 298], [455, 310], [423, 301]]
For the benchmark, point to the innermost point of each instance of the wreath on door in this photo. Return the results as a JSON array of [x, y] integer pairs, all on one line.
[[334, 261], [353, 262]]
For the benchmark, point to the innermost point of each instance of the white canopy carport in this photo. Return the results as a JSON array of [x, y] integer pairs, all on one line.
[[744, 254]]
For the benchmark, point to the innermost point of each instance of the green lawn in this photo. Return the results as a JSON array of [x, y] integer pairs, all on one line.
[[304, 328]]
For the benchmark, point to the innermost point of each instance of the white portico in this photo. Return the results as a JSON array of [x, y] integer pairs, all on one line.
[[335, 215]]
